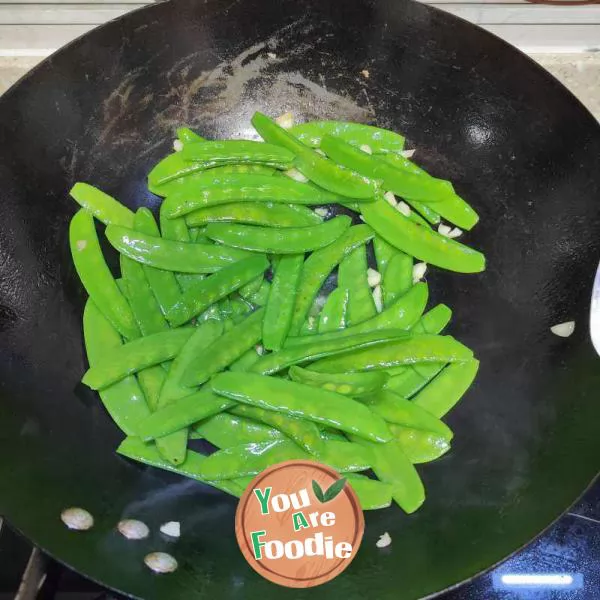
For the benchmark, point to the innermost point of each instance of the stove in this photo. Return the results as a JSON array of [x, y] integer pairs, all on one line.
[[563, 564]]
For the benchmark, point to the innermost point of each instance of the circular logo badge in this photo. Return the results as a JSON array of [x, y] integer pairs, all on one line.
[[299, 524]]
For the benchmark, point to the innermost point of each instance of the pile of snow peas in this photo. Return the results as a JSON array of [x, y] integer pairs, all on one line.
[[218, 327]]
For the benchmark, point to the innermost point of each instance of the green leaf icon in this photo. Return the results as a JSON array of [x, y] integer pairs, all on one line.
[[335, 488], [318, 491]]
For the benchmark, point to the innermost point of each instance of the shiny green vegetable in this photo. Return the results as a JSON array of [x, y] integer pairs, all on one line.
[[96, 276], [123, 400], [398, 277], [289, 397], [420, 242], [104, 207], [434, 320], [319, 265], [255, 213], [289, 240], [237, 151], [280, 304], [406, 381], [348, 384], [384, 252], [215, 287], [420, 446], [333, 314], [355, 134], [135, 356], [352, 276], [405, 351], [225, 430], [171, 255], [223, 350], [372, 494], [187, 136]]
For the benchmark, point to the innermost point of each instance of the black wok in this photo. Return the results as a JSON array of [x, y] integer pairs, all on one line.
[[514, 141]]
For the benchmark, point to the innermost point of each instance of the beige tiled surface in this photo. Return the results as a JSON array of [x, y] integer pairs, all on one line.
[[578, 72]]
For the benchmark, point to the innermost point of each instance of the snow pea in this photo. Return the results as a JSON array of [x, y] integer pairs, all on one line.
[[123, 400], [402, 314], [372, 494], [225, 430], [309, 350], [170, 255], [447, 388], [333, 314], [383, 253], [407, 381], [434, 320], [319, 265], [135, 356], [317, 168], [96, 276], [393, 467], [349, 384], [421, 242], [280, 304], [246, 361], [182, 413], [398, 410], [187, 136], [287, 240], [104, 207], [289, 397], [213, 288], [352, 276], [398, 277], [355, 134], [408, 350], [243, 189], [223, 350], [135, 449], [305, 433], [255, 213], [229, 152], [420, 446]]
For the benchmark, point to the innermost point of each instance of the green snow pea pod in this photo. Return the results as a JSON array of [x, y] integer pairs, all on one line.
[[407, 381], [163, 283], [434, 320], [215, 287], [135, 356], [135, 449], [295, 399], [170, 168], [352, 276], [305, 433], [104, 207], [333, 314], [372, 494], [223, 350], [170, 255], [288, 240], [383, 253], [246, 291], [355, 134], [243, 189], [404, 351], [393, 467], [123, 400], [402, 314], [225, 430], [181, 413], [328, 434], [398, 277], [398, 410], [187, 136], [319, 265], [227, 152], [309, 350], [349, 384], [421, 242], [255, 213], [280, 304], [317, 168], [447, 388], [96, 276], [246, 361], [420, 446]]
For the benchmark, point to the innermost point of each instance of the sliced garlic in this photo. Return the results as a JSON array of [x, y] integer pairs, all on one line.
[[366, 148], [77, 519], [403, 208], [408, 153], [419, 271], [319, 151], [563, 329], [296, 175], [271, 55], [286, 120], [378, 298], [390, 199], [160, 562], [177, 145], [322, 211], [133, 529], [365, 73], [456, 232], [384, 540], [444, 230], [373, 277], [172, 529], [260, 349]]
